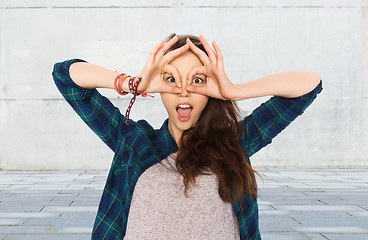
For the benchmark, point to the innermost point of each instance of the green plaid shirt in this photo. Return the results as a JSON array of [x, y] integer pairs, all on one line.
[[138, 146]]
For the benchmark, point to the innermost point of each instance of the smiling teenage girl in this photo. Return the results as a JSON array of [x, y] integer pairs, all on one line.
[[192, 178]]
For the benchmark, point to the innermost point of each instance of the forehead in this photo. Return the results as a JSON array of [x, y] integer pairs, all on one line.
[[187, 59]]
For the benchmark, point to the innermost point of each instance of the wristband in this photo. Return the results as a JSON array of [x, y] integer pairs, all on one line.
[[118, 84]]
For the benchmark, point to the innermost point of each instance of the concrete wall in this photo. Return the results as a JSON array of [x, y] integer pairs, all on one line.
[[39, 130]]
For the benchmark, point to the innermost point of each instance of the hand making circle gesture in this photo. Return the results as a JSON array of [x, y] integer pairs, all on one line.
[[218, 84], [157, 65]]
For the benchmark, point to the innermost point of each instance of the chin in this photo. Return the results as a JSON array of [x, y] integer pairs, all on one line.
[[182, 126]]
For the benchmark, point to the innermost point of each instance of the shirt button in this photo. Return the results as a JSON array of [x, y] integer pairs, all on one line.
[[84, 95]]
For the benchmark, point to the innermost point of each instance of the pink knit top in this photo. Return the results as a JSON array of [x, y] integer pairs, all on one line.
[[159, 209]]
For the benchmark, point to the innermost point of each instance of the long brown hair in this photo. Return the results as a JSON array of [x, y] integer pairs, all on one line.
[[212, 144]]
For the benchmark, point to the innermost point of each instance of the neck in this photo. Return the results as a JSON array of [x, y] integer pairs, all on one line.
[[176, 134]]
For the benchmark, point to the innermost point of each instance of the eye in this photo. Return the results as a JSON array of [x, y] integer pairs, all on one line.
[[197, 80], [170, 80]]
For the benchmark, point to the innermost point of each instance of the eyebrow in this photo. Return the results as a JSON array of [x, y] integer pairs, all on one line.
[[198, 74]]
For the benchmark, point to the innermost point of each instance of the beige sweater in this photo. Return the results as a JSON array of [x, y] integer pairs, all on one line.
[[159, 209]]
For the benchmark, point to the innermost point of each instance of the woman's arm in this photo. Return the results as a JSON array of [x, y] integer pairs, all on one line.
[[284, 84], [271, 117], [218, 85], [90, 76], [95, 110], [77, 81]]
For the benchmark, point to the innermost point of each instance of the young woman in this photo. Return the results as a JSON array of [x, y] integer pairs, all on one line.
[[192, 178]]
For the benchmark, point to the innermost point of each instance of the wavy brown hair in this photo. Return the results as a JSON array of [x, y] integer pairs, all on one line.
[[212, 144]]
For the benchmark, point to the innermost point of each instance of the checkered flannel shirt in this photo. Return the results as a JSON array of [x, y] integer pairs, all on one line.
[[138, 146]]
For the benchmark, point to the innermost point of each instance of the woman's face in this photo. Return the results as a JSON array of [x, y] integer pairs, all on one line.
[[184, 109]]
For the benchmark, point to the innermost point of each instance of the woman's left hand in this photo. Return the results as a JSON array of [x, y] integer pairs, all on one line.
[[218, 84]]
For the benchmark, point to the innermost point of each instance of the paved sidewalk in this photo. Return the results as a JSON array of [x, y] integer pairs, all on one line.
[[293, 204]]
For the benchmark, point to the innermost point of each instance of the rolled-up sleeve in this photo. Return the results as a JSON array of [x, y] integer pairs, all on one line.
[[271, 117], [95, 110]]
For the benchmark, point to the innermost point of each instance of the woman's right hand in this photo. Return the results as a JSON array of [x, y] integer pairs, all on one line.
[[157, 64]]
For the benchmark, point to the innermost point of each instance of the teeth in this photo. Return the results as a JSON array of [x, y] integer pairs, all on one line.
[[184, 106]]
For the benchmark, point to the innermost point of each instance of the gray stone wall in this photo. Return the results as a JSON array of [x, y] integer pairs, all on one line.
[[40, 131]]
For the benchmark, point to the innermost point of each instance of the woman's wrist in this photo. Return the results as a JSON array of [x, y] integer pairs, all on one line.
[[125, 84], [232, 91], [240, 92]]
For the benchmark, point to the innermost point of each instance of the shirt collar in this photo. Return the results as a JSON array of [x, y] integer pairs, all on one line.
[[165, 140]]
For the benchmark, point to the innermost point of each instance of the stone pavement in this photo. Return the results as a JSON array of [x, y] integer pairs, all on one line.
[[293, 204]]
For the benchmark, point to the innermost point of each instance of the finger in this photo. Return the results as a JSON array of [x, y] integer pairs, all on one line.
[[174, 71], [171, 89], [175, 53], [218, 52], [167, 45], [207, 47], [200, 54], [154, 50], [194, 71], [196, 89]]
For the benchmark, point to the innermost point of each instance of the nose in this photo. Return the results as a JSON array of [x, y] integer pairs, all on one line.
[[185, 93]]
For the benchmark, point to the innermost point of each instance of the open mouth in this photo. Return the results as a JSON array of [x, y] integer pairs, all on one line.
[[184, 111]]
